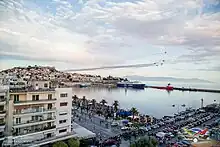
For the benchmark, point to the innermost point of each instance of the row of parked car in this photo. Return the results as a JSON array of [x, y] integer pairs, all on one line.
[[200, 120]]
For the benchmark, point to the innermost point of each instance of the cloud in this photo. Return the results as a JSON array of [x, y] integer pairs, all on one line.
[[103, 33], [215, 68]]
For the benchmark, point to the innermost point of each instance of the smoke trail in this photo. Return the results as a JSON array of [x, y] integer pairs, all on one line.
[[158, 63], [114, 67]]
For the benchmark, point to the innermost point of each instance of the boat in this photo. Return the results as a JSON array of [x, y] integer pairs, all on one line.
[[128, 84], [82, 85], [168, 87]]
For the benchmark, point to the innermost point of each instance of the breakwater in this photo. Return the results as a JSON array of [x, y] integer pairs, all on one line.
[[197, 90], [185, 89]]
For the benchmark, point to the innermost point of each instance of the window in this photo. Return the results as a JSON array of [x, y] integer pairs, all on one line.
[[18, 111], [62, 121], [18, 120], [1, 120], [49, 106], [2, 97], [35, 97], [63, 130], [1, 108], [16, 98], [63, 95], [45, 85], [49, 96], [18, 130], [63, 104], [63, 113]]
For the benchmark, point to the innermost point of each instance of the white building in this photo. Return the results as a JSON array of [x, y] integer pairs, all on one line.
[[3, 98], [63, 110], [39, 115]]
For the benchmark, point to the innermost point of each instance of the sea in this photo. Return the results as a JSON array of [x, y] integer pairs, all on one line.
[[154, 102]]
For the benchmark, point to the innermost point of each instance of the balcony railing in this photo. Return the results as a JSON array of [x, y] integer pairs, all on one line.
[[2, 123], [34, 130], [31, 101], [34, 121], [2, 111], [2, 135], [2, 99], [29, 89], [26, 111]]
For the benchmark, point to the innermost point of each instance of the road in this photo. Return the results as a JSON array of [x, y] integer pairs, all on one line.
[[104, 132], [96, 124]]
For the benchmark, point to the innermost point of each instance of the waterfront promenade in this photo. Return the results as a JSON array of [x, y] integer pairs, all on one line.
[[101, 125]]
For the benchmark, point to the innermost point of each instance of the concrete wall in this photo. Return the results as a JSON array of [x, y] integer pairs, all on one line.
[[62, 109]]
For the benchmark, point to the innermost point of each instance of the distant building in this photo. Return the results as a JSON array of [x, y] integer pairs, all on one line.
[[3, 100]]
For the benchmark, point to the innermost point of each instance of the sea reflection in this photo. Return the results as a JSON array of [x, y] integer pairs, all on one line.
[[149, 101]]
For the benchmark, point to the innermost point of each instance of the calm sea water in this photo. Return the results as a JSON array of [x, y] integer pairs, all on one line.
[[149, 101]]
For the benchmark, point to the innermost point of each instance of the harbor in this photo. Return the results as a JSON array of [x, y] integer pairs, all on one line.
[[185, 89], [167, 115], [152, 101], [124, 128]]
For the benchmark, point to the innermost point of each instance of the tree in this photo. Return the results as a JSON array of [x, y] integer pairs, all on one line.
[[93, 103], [73, 142], [84, 101], [103, 102], [60, 144], [115, 105], [75, 98], [134, 112], [145, 141]]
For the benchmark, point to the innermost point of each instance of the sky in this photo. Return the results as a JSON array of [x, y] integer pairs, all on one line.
[[71, 34]]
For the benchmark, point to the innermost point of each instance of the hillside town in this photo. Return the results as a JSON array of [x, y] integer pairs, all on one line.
[[21, 75]]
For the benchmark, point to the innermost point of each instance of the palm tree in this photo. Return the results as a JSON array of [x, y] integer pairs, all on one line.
[[103, 102], [134, 112], [84, 101], [93, 101], [75, 99], [115, 105]]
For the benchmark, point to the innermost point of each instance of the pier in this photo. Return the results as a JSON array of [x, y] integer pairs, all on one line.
[[187, 89], [197, 89]]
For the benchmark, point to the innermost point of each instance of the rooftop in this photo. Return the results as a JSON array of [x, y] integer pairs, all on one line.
[[30, 89]]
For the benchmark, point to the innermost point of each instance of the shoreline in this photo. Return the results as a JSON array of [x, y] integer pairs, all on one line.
[[113, 85]]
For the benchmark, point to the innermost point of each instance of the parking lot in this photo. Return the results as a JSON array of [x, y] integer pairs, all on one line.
[[171, 126]]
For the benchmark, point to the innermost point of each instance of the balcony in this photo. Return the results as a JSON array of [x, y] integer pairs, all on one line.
[[2, 100], [37, 130], [2, 125], [34, 122], [31, 102], [30, 89], [34, 111], [2, 113], [2, 137]]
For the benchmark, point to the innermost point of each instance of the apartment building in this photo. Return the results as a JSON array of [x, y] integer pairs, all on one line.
[[3, 98], [38, 115]]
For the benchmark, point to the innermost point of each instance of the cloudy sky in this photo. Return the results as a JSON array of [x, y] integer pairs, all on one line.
[[92, 33]]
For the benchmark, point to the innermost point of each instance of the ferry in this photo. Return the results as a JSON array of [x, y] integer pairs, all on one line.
[[127, 84]]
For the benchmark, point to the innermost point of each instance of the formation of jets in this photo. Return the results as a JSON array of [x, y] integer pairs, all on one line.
[[159, 63]]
